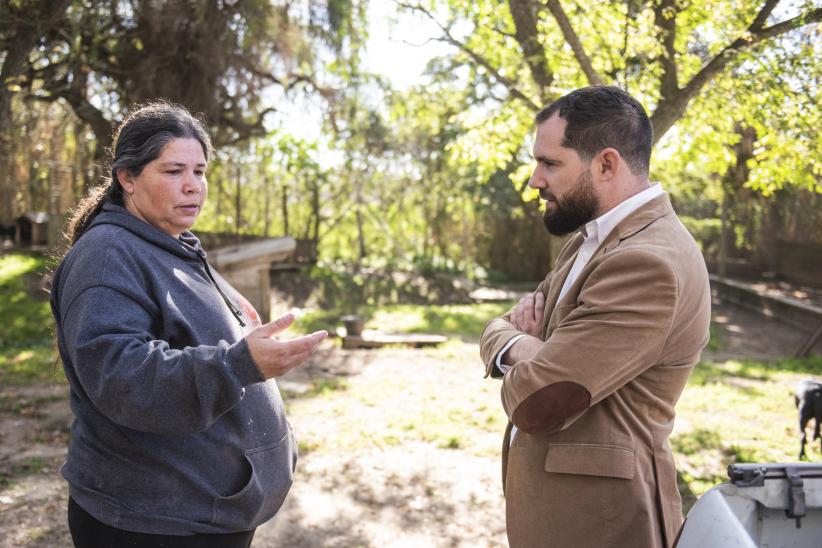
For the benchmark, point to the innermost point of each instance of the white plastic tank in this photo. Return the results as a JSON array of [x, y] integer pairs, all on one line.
[[771, 505]]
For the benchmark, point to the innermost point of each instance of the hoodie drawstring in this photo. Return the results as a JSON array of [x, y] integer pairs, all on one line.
[[234, 310]]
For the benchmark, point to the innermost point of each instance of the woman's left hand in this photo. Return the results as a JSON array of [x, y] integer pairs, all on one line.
[[275, 358]]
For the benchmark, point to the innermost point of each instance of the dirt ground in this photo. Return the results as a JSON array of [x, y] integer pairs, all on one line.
[[411, 494]]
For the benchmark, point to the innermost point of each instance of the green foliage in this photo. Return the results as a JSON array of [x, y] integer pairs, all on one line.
[[272, 197], [27, 365], [26, 352], [25, 307], [507, 68], [349, 288], [706, 232]]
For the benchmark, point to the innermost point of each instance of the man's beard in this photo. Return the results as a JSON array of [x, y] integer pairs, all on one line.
[[575, 209]]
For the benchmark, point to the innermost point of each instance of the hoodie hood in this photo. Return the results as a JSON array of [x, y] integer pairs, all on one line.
[[187, 246]]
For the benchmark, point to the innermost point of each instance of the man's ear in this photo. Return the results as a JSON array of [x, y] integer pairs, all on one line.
[[126, 181], [607, 163]]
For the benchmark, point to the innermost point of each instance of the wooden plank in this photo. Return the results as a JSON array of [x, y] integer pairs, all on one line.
[[378, 340]]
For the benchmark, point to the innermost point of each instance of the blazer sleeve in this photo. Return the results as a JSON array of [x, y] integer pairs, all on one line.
[[496, 334], [615, 331]]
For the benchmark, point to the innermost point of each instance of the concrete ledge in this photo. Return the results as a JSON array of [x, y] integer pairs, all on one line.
[[246, 267], [252, 254], [802, 315]]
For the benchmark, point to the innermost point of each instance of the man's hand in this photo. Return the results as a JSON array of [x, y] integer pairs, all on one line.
[[524, 349], [276, 358], [527, 315]]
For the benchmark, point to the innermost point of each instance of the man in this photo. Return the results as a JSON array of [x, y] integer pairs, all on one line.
[[596, 358]]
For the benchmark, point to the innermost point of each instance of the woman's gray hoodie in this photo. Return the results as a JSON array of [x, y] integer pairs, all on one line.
[[176, 430]]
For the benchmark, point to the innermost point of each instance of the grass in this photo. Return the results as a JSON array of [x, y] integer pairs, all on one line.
[[715, 338], [27, 467], [439, 398], [734, 412], [730, 412], [26, 351], [464, 321]]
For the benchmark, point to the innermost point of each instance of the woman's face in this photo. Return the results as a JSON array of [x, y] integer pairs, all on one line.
[[171, 190]]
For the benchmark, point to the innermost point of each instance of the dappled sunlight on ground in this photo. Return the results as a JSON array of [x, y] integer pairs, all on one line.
[[403, 451], [400, 447], [744, 334], [409, 496]]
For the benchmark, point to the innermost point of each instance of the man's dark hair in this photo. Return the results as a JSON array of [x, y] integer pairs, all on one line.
[[601, 117]]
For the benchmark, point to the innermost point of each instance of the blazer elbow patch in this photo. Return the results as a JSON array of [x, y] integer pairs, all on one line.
[[547, 409]]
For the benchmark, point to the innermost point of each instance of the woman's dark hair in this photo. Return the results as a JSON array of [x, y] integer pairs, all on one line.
[[604, 117], [139, 140]]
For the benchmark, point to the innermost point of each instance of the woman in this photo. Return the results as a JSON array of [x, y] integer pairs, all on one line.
[[179, 439]]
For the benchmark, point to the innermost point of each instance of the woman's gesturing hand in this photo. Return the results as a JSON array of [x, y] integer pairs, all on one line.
[[274, 357]]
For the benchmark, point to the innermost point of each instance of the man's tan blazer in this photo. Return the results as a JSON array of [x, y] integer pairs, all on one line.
[[590, 464]]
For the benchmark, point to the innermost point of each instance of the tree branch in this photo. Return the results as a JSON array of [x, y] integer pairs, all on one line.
[[763, 14], [449, 39], [24, 30], [242, 129], [74, 95], [671, 109], [573, 40], [287, 82], [525, 24], [665, 13]]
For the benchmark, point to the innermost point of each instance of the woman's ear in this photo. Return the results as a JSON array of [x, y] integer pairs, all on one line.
[[126, 181]]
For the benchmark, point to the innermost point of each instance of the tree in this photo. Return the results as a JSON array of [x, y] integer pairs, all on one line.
[[687, 62], [216, 58], [23, 24], [665, 51]]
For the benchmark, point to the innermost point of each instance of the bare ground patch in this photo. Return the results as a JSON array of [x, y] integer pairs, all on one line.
[[371, 471]]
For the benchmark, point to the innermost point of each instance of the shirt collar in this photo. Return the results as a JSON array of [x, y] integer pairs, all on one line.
[[599, 228]]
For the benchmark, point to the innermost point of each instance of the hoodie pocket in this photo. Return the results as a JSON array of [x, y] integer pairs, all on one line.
[[272, 472]]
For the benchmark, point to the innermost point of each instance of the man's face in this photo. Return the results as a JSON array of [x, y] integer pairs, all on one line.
[[564, 181]]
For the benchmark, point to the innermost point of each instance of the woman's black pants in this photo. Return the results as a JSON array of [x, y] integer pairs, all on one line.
[[88, 532]]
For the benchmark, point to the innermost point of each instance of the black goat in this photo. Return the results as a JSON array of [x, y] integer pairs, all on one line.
[[808, 400]]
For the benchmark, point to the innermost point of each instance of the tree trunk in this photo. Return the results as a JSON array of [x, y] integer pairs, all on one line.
[[360, 235], [29, 27], [238, 201], [723, 235], [266, 208], [284, 205], [732, 183], [315, 210]]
